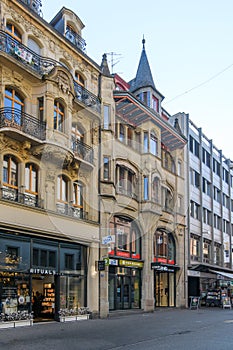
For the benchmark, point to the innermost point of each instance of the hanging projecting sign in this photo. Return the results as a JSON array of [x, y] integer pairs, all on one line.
[[108, 239]]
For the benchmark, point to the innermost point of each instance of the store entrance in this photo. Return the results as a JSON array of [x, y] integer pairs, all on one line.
[[43, 298], [164, 289], [124, 288]]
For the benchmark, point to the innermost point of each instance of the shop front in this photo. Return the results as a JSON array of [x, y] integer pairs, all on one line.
[[165, 284], [165, 268], [41, 276], [125, 265], [124, 284]]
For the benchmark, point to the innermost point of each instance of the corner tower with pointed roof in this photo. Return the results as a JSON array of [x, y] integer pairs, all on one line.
[[143, 85]]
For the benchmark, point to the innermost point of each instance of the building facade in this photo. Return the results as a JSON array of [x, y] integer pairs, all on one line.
[[210, 213], [49, 122], [142, 190]]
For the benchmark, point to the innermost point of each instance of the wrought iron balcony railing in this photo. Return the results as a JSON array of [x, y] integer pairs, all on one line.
[[26, 56], [85, 96], [82, 150], [14, 118], [75, 39], [70, 210], [43, 66], [13, 195]]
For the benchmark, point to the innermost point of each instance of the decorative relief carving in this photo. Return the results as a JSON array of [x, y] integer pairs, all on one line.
[[56, 155], [63, 82]]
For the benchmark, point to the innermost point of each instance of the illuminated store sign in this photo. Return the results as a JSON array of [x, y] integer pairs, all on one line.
[[129, 263], [43, 271]]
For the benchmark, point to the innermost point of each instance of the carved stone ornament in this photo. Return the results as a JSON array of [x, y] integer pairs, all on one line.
[[56, 155], [63, 82]]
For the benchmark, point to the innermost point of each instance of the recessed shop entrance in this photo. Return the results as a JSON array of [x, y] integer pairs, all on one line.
[[43, 297]]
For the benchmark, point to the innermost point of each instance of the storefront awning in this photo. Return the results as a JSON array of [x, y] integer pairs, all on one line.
[[224, 274]]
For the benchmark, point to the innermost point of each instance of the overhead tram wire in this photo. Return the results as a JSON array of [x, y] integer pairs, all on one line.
[[201, 84]]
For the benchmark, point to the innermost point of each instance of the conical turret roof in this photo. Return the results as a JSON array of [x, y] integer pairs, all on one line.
[[143, 77]]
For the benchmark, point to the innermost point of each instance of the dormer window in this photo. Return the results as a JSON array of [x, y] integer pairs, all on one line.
[[70, 33], [74, 37], [155, 104]]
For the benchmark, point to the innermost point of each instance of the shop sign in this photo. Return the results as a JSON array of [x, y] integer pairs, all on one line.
[[113, 262], [106, 260], [101, 265], [162, 268], [129, 263], [108, 239], [43, 271]]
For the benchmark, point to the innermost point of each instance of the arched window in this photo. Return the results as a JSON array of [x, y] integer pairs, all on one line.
[[58, 116], [155, 189], [10, 172], [13, 31], [32, 44], [79, 79], [128, 241], [164, 247], [13, 105]]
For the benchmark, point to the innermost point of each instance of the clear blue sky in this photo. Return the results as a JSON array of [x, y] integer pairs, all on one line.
[[189, 45]]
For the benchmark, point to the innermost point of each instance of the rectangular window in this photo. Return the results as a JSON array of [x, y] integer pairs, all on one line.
[[138, 141], [12, 255], [225, 175], [216, 167], [194, 248], [194, 178], [153, 144], [146, 188], [106, 168], [146, 142], [155, 104], [195, 210], [41, 108], [35, 259], [69, 261], [206, 186], [106, 117], [194, 146], [179, 169], [43, 258], [206, 157], [206, 251], [52, 259]]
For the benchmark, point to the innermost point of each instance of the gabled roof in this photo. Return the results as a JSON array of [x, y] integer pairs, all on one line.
[[143, 77]]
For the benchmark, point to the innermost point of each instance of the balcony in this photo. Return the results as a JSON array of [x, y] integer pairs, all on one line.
[[13, 195], [70, 210], [83, 151], [21, 121], [43, 66], [86, 97], [25, 56], [75, 39]]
